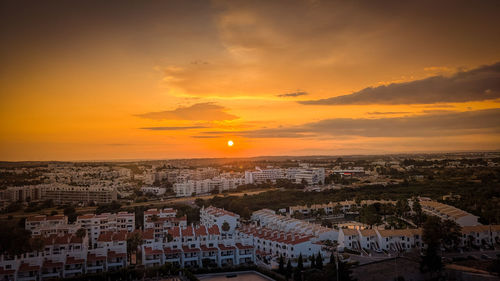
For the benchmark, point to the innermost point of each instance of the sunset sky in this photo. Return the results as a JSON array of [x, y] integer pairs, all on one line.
[[99, 80]]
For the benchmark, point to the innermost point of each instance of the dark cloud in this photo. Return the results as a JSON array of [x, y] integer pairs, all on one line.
[[201, 111], [295, 94], [478, 84], [173, 128], [388, 112], [204, 137], [429, 125]]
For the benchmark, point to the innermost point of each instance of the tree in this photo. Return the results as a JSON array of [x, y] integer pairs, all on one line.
[[345, 271], [451, 234], [289, 269], [402, 207], [37, 244], [169, 237], [226, 226], [319, 261], [432, 235], [313, 261], [134, 240], [70, 212], [495, 266], [300, 263], [419, 214], [81, 232], [14, 239], [282, 265], [297, 275], [369, 215]]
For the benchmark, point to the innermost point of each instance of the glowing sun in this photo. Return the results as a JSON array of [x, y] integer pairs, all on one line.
[[230, 143]]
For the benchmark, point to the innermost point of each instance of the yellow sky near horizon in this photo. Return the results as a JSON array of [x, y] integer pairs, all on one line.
[[177, 80]]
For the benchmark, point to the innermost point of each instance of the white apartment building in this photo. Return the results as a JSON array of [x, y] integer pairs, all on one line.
[[97, 224], [196, 246], [22, 193], [445, 212], [295, 174], [46, 225], [63, 256], [275, 243], [269, 219], [480, 235], [392, 240], [310, 175], [264, 175], [206, 186], [161, 221], [215, 216], [66, 194], [153, 190]]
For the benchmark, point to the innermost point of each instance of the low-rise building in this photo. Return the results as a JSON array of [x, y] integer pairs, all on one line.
[[215, 216], [96, 224], [67, 194], [445, 212], [153, 190]]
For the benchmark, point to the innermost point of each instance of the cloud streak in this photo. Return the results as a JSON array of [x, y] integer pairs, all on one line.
[[292, 95], [201, 111], [429, 125], [173, 128], [478, 84]]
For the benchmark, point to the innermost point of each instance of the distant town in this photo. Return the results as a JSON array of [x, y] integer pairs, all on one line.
[[389, 217]]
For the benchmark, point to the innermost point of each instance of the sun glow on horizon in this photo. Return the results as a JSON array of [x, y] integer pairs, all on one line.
[[230, 143]]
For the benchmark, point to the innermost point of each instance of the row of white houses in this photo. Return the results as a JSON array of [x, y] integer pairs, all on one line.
[[399, 240], [66, 255]]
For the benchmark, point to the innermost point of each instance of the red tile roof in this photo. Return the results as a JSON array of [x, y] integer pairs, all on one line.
[[204, 248], [55, 217], [108, 236], [150, 251], [214, 230], [171, 251], [200, 231], [51, 264], [60, 240], [226, 248], [113, 254], [76, 240], [73, 260], [243, 247], [188, 232], [217, 212], [36, 218], [94, 257], [4, 271], [26, 267], [85, 217], [148, 234], [175, 231], [186, 249]]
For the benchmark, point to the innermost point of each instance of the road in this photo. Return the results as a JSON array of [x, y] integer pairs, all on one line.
[[152, 204]]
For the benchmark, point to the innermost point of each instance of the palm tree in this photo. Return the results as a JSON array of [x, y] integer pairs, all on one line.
[[134, 240]]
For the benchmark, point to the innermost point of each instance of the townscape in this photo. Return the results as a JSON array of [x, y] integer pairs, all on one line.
[[212, 140], [356, 215]]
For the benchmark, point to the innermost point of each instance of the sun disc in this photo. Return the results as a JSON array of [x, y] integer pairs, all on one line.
[[230, 143]]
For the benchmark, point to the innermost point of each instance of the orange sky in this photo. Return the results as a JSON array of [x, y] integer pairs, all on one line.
[[176, 79]]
